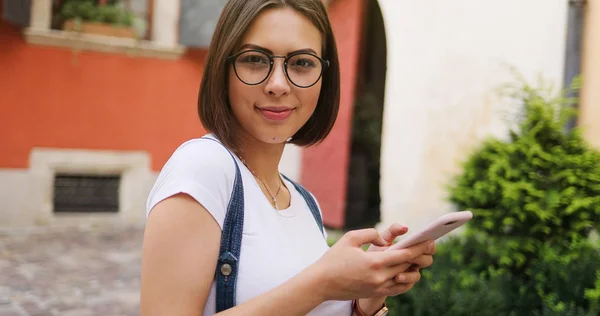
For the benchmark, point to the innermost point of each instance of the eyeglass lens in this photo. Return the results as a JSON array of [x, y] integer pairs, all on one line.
[[253, 67]]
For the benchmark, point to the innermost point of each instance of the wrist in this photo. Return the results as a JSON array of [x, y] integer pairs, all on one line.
[[370, 306], [318, 283]]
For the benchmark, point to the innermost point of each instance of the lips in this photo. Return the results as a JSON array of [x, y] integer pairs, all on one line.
[[275, 113]]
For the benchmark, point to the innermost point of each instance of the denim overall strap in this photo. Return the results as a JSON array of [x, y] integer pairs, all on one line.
[[312, 204], [231, 241]]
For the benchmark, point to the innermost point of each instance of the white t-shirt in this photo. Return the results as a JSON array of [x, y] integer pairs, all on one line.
[[276, 245]]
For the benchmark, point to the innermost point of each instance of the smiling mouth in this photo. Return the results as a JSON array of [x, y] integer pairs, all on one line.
[[275, 113]]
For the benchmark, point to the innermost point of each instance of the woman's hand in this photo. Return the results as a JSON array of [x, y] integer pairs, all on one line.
[[348, 272], [389, 235], [406, 279]]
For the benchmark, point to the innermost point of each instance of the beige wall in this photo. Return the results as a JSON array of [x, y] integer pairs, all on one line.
[[26, 195], [590, 92], [446, 61]]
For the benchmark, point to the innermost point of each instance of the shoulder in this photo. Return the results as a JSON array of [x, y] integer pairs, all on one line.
[[200, 153], [201, 168]]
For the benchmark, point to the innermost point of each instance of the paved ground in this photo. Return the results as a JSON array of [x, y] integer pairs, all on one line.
[[70, 272]]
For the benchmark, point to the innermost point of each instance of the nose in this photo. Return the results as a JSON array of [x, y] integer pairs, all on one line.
[[277, 84]]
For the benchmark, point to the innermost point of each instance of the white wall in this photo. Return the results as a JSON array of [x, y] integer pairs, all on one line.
[[14, 189], [446, 60], [165, 22]]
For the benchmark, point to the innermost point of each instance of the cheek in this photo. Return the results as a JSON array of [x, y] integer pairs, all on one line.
[[242, 97], [309, 97], [233, 88]]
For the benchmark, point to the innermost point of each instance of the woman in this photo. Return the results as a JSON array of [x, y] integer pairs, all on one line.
[[271, 77]]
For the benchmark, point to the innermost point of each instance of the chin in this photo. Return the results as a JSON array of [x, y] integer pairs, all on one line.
[[272, 137]]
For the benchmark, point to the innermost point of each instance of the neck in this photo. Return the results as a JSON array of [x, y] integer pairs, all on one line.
[[263, 159]]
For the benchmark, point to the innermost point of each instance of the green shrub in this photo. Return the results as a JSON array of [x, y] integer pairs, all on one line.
[[593, 294], [540, 187], [535, 200], [455, 284], [563, 274], [88, 11], [449, 288]]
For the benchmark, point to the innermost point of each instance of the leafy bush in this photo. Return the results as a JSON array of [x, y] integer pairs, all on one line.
[[455, 286], [541, 187], [563, 274], [449, 288], [89, 11], [535, 199]]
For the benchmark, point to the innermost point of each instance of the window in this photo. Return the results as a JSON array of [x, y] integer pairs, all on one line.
[[134, 27], [75, 193], [125, 18], [106, 186]]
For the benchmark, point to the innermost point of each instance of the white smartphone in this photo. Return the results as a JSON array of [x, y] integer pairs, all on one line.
[[436, 229]]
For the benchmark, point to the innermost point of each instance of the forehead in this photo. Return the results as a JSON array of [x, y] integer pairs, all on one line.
[[283, 30]]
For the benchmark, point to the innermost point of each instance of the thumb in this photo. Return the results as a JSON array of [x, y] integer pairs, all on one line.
[[360, 237], [393, 231]]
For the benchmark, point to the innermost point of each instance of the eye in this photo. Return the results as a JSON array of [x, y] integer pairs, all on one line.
[[253, 59], [304, 63]]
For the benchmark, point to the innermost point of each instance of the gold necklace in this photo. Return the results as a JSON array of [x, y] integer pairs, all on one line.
[[273, 197]]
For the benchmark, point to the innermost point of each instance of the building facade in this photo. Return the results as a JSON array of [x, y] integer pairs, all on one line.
[[91, 119], [90, 106]]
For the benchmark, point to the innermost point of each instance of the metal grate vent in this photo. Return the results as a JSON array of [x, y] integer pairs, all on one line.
[[86, 193]]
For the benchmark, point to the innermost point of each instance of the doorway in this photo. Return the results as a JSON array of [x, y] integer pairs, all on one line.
[[363, 198]]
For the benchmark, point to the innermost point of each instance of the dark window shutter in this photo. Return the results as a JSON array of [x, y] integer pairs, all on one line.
[[198, 21], [16, 11], [75, 193]]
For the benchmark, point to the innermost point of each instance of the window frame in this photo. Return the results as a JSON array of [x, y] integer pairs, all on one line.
[[164, 45]]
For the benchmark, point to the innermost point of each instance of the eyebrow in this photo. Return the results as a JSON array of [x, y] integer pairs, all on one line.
[[268, 51]]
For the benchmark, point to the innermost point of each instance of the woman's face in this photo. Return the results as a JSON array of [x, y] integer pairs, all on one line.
[[274, 110]]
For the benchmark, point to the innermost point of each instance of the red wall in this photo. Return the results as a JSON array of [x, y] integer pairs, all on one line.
[[325, 167], [55, 97]]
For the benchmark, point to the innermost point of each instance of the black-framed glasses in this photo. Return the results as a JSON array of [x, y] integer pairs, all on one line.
[[253, 67]]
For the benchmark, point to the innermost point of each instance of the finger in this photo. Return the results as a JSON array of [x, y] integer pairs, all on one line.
[[399, 288], [413, 268], [393, 271], [401, 278], [401, 268], [407, 255], [433, 249], [408, 277], [360, 237], [423, 261], [394, 231], [426, 247]]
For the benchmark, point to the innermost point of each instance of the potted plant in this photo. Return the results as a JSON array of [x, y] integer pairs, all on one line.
[[104, 18]]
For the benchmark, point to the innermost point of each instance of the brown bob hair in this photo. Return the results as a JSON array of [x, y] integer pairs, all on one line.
[[213, 102]]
